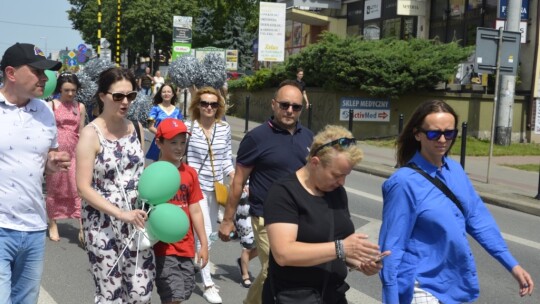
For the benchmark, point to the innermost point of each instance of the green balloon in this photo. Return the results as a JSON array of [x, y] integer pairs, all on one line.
[[159, 182], [50, 85], [168, 223]]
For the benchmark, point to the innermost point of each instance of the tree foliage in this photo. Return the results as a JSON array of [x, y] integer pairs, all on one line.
[[142, 18], [387, 67]]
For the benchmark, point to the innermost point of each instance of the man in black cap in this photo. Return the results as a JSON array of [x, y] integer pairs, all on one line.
[[27, 149]]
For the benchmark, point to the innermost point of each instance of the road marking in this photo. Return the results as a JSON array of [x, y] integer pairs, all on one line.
[[45, 297], [370, 196], [522, 241], [357, 297]]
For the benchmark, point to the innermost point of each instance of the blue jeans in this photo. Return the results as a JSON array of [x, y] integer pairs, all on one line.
[[21, 265]]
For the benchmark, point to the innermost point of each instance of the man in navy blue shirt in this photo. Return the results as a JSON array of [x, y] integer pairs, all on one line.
[[267, 153]]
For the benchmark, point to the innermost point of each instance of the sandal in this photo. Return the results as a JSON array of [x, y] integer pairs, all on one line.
[[246, 283], [81, 239]]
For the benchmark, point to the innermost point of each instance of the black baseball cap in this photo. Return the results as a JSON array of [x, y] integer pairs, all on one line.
[[29, 54]]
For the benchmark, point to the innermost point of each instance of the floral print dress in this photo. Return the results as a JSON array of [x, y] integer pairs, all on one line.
[[118, 166]]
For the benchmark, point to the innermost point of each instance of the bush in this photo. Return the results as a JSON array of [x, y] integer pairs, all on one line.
[[387, 67]]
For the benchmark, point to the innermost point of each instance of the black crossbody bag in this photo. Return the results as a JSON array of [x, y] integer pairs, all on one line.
[[439, 184]]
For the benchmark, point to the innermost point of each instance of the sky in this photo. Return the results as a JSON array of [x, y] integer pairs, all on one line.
[[44, 23]]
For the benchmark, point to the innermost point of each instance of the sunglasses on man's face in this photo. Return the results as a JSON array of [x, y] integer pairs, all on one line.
[[343, 142], [205, 104], [436, 134], [285, 106], [118, 97]]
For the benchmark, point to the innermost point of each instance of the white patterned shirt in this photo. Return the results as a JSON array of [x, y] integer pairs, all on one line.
[[27, 134]]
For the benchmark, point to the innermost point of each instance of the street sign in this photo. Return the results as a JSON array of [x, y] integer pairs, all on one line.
[[365, 109], [487, 44]]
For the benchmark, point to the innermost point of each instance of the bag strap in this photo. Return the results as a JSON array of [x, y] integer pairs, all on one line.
[[137, 129], [439, 184], [187, 142], [209, 147], [210, 150]]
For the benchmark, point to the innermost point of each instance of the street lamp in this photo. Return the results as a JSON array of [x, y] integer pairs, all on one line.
[[45, 45]]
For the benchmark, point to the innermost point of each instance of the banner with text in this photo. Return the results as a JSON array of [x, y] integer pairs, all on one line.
[[271, 32], [537, 118], [364, 109], [182, 36]]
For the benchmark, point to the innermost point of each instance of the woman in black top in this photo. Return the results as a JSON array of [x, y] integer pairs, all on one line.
[[312, 238]]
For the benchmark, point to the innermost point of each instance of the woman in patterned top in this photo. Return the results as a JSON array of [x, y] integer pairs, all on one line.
[[110, 160]]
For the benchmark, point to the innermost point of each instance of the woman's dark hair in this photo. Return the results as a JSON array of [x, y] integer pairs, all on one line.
[[66, 77], [108, 78], [407, 145], [158, 99]]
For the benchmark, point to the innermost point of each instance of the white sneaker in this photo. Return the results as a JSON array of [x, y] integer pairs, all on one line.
[[212, 295]]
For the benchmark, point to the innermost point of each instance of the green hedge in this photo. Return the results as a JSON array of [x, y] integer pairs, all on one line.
[[387, 67]]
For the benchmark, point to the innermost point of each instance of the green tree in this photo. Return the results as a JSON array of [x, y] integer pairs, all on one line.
[[139, 20], [236, 37], [385, 67], [142, 18]]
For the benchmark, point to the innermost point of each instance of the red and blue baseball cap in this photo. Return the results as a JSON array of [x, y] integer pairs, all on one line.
[[29, 54]]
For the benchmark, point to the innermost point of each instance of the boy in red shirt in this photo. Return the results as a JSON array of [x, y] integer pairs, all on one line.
[[175, 271]]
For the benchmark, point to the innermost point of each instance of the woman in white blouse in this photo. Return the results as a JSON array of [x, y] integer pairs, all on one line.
[[208, 130]]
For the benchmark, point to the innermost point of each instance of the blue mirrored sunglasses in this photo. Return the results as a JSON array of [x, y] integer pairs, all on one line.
[[436, 134], [343, 142]]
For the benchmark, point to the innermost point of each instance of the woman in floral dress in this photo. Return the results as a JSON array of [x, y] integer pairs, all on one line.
[[62, 199], [164, 107], [110, 160]]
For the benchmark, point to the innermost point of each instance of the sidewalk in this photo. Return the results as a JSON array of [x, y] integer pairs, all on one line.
[[508, 187]]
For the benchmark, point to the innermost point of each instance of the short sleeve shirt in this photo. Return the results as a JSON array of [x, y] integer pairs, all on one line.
[[188, 194], [273, 153], [289, 202], [27, 134]]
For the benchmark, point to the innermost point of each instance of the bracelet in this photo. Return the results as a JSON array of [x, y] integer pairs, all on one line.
[[340, 253], [342, 250]]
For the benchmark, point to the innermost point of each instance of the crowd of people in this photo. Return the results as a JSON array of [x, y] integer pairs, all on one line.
[[296, 186]]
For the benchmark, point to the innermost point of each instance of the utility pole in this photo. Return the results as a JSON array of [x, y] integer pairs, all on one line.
[[503, 129]]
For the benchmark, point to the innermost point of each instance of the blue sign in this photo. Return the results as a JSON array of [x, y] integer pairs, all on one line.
[[72, 62], [503, 9], [82, 48]]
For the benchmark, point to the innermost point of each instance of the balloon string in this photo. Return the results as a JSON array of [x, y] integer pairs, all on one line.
[[122, 190], [137, 254], [122, 252]]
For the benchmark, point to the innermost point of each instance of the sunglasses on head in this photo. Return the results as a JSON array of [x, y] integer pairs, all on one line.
[[343, 142], [205, 104], [285, 106], [436, 134], [120, 96]]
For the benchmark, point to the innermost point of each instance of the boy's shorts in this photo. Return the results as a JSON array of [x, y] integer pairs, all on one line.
[[175, 278]]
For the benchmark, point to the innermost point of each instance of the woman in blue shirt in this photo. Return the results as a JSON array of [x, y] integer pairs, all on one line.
[[425, 230], [164, 107]]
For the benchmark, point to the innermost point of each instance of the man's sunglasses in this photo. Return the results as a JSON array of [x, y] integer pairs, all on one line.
[[285, 106], [205, 104], [118, 97], [436, 134], [343, 142]]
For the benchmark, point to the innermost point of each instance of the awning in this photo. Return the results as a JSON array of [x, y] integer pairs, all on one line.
[[307, 17]]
